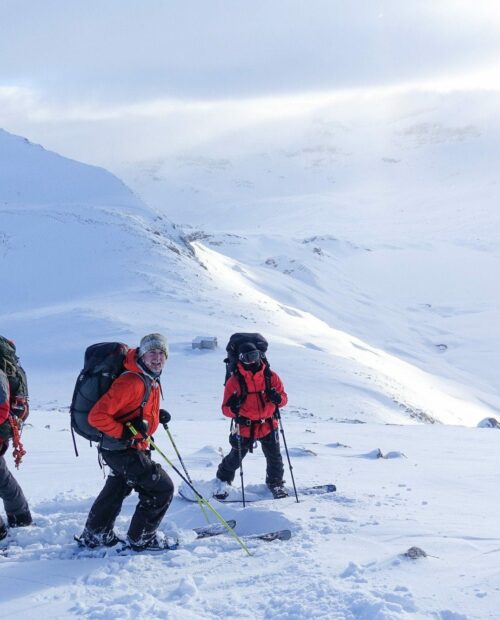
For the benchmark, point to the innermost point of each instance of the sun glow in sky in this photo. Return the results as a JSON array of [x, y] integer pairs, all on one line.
[[77, 75]]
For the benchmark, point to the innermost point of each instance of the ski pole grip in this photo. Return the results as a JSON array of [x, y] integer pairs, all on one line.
[[140, 432]]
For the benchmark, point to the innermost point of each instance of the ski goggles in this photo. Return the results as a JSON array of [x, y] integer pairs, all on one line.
[[249, 357]]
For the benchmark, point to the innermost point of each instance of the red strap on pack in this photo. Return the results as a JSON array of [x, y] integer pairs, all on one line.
[[19, 450]]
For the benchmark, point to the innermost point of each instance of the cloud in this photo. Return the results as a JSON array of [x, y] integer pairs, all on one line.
[[122, 51], [122, 79]]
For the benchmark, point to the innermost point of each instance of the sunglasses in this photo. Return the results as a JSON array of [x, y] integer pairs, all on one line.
[[250, 357]]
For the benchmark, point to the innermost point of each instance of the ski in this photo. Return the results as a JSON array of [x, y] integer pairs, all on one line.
[[126, 549], [270, 536], [214, 529], [319, 489]]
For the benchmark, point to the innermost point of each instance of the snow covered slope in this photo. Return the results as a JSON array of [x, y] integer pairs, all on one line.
[[78, 251], [87, 261], [82, 259], [376, 214], [31, 175], [346, 556]]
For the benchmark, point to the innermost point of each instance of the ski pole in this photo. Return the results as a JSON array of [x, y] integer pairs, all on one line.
[[278, 415], [165, 426], [204, 501], [240, 455]]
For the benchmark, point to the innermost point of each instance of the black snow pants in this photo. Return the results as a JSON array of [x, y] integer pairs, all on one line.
[[131, 469], [271, 449], [11, 493]]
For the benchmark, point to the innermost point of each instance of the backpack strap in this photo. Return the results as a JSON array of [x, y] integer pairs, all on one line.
[[148, 383], [243, 385], [267, 375], [242, 382]]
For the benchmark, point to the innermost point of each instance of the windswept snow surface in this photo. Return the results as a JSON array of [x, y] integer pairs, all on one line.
[[345, 559], [93, 263]]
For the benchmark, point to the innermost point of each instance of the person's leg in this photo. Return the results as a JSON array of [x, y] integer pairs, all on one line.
[[274, 461], [3, 529], [231, 462], [155, 489], [16, 505], [106, 507]]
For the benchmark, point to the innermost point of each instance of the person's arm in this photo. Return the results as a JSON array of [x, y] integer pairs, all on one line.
[[4, 398], [5, 427], [231, 395], [277, 386], [123, 397]]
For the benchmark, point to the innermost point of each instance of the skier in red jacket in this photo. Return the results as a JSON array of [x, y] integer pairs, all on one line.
[[251, 403]]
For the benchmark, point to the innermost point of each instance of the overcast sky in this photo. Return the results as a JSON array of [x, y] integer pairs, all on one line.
[[75, 70]]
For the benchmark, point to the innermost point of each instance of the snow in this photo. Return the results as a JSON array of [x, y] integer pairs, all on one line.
[[390, 382], [345, 558]]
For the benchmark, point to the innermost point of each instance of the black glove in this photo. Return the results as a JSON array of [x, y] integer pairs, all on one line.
[[165, 417], [234, 403], [274, 396], [140, 425], [19, 408]]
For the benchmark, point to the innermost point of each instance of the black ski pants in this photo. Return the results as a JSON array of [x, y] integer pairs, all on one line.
[[271, 449], [11, 493], [131, 469]]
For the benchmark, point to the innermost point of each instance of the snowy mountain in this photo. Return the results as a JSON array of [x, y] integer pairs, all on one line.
[[376, 215], [371, 334], [113, 263], [31, 175], [77, 255]]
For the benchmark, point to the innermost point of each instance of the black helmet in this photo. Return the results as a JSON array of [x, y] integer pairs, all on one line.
[[249, 354]]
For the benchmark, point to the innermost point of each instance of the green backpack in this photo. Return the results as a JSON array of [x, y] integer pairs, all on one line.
[[18, 384]]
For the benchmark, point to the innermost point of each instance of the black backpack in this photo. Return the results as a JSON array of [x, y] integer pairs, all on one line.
[[233, 351], [18, 384], [103, 363]]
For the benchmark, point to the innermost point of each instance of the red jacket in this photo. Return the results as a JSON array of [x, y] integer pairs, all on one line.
[[257, 405], [4, 397], [4, 407], [122, 403]]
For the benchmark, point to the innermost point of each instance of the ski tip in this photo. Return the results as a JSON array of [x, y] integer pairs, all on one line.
[[319, 488], [214, 529], [279, 535]]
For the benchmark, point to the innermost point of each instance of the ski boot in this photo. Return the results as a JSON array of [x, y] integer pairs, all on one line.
[[278, 490]]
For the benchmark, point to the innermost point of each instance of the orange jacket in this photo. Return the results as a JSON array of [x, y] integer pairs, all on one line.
[[4, 408], [122, 402], [257, 405], [4, 397]]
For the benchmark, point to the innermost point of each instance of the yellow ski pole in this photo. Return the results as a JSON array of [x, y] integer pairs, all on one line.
[[165, 426], [200, 497]]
